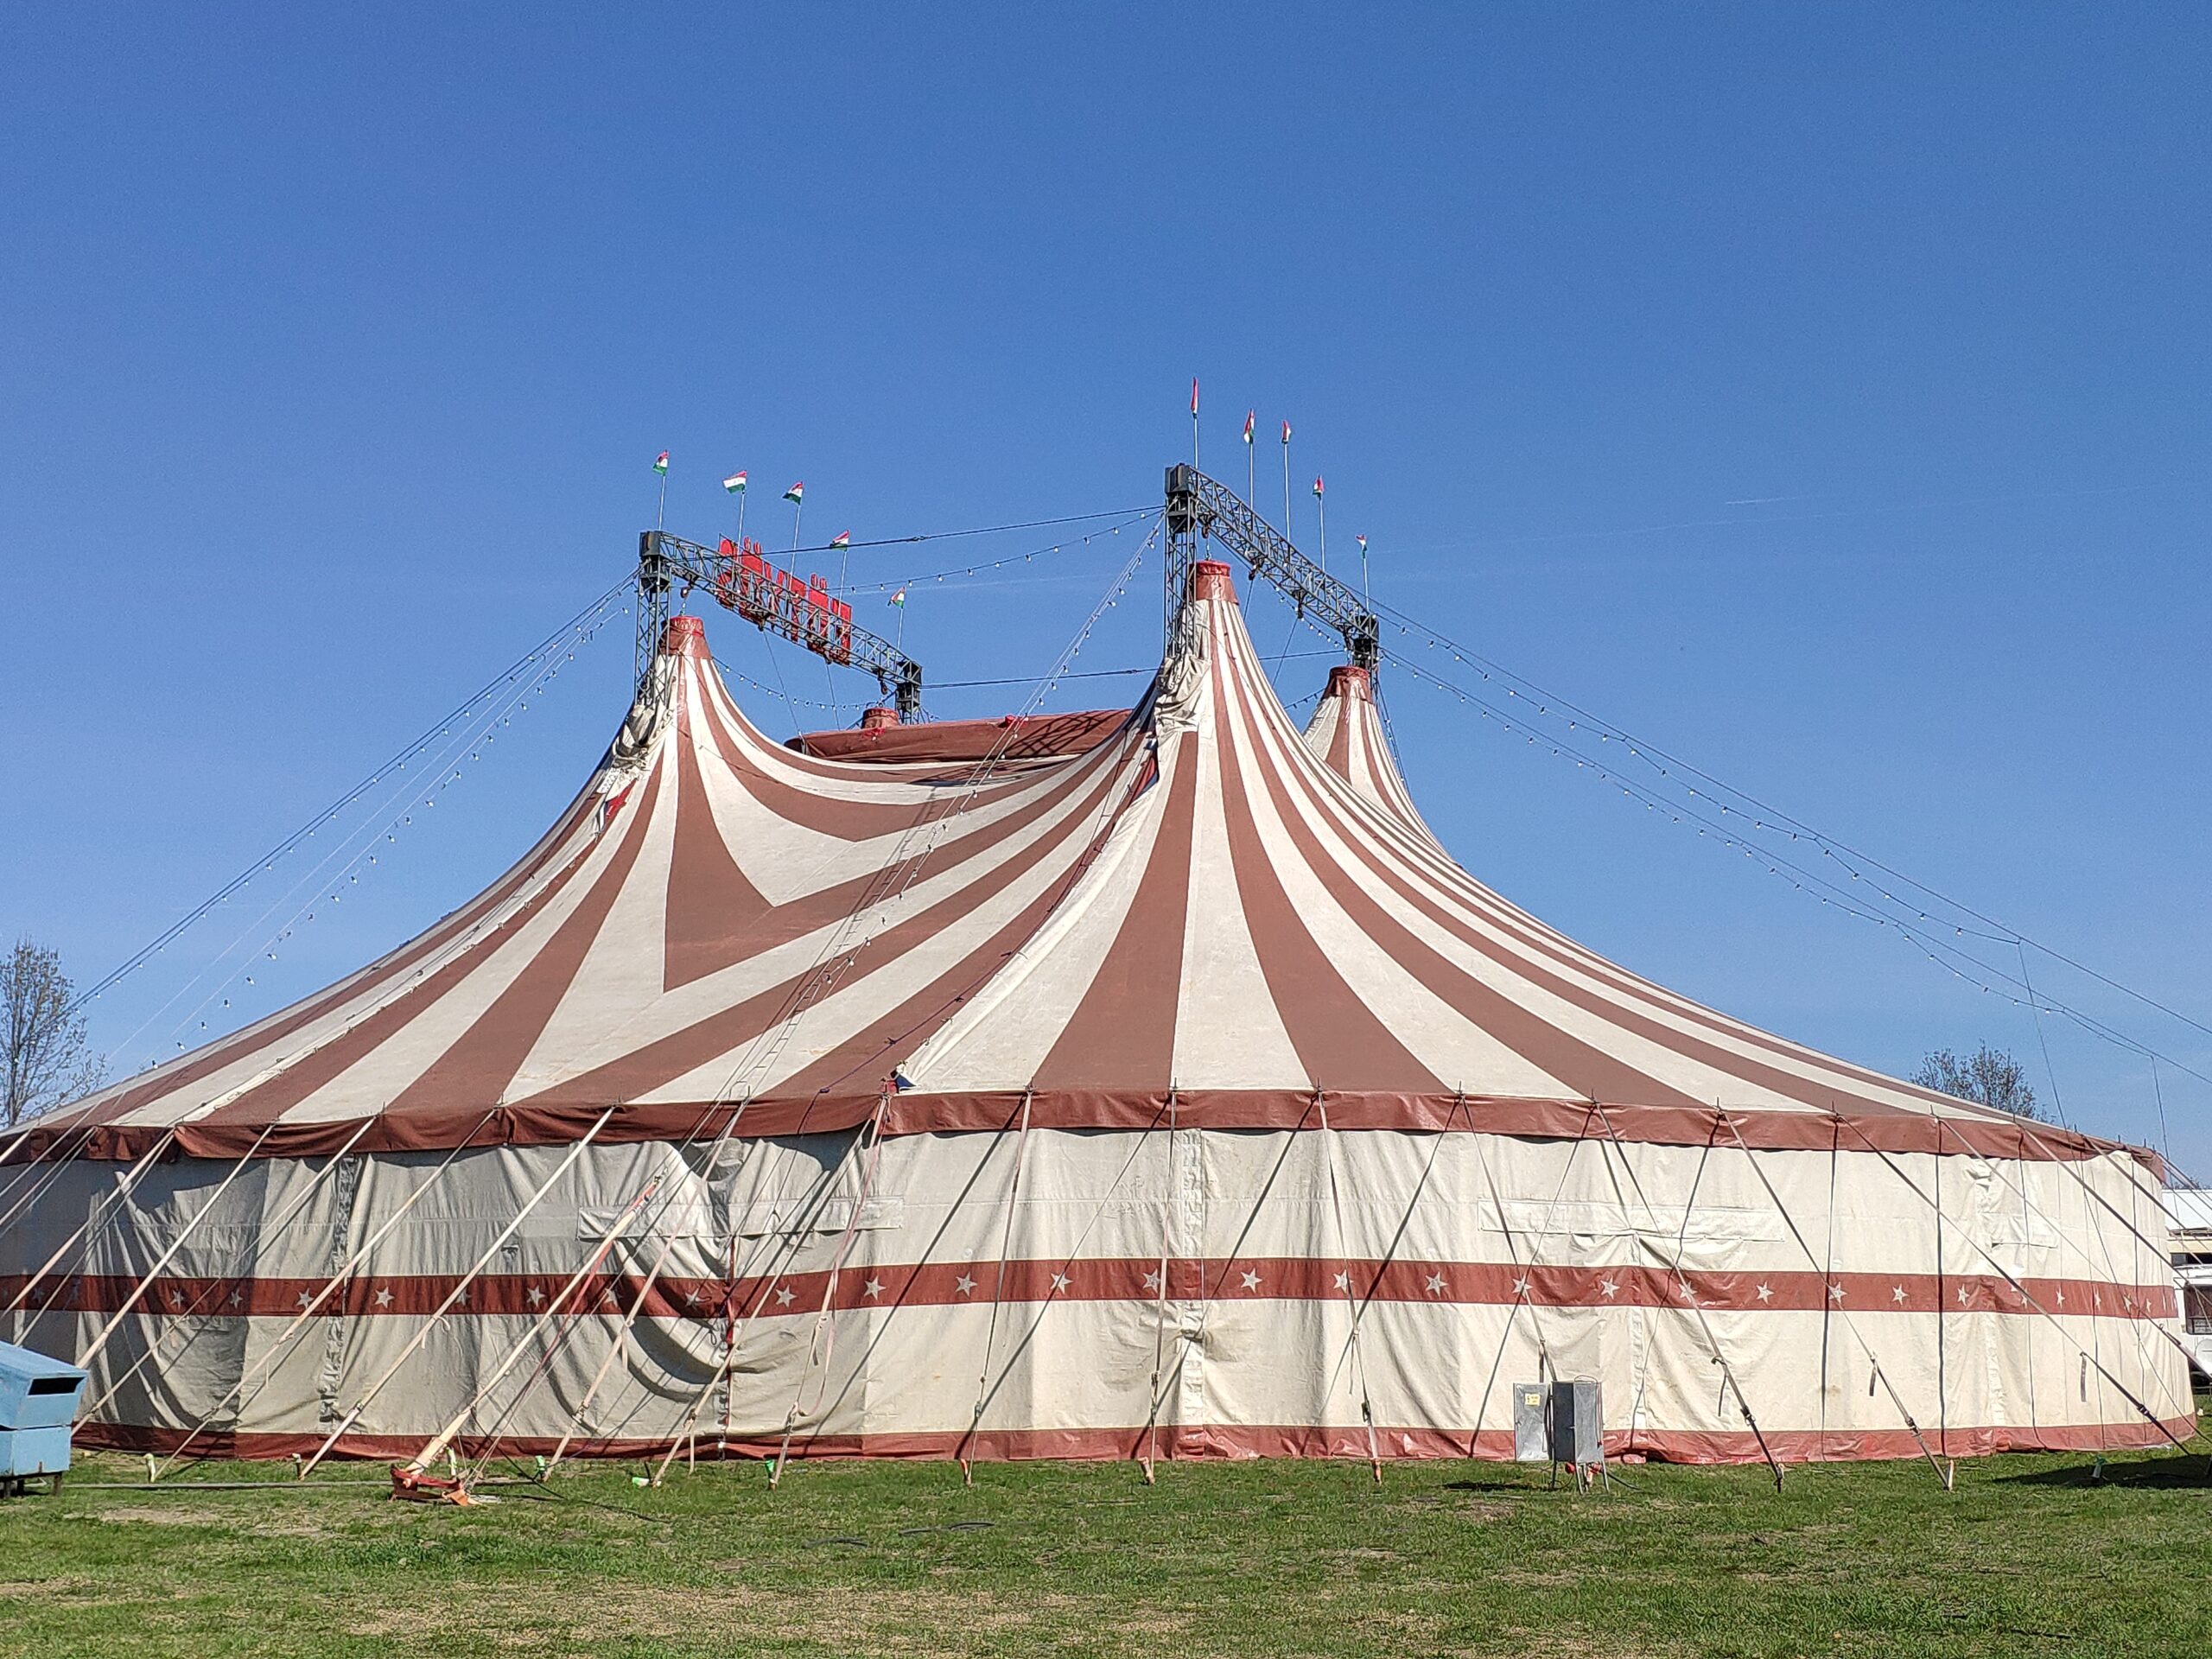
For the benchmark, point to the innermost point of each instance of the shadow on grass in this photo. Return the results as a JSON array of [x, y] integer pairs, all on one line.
[[2191, 1473]]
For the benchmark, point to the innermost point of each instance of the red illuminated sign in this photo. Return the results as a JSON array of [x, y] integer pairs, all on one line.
[[774, 599]]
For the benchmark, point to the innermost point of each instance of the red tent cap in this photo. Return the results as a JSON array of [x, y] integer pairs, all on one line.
[[878, 718], [686, 636], [1351, 680], [1210, 579]]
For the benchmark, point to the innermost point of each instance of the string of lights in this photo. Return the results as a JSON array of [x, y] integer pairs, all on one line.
[[1966, 920], [589, 617], [1943, 952], [440, 753], [932, 577]]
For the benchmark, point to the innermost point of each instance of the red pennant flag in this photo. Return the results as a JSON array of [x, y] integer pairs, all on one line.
[[1194, 394]]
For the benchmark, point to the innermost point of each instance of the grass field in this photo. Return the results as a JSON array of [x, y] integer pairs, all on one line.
[[2027, 1555]]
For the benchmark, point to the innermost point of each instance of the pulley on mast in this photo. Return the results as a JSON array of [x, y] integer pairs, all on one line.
[[1198, 508], [740, 579]]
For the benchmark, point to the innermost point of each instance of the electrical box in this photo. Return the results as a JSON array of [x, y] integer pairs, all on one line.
[[1560, 1422], [1532, 1431], [1578, 1423], [38, 1405]]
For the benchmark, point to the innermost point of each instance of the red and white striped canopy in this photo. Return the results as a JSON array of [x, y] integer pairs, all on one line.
[[1208, 916], [1346, 733]]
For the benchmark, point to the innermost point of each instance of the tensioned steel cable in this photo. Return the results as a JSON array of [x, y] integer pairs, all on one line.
[[1665, 762], [430, 734]]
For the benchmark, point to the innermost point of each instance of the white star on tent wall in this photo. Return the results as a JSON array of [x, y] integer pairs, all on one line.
[[1964, 1296], [533, 1295], [1520, 1287], [691, 1297], [238, 1299], [965, 1284], [384, 1296], [176, 1299], [1611, 1286], [1835, 1293], [1343, 1283], [307, 1301], [785, 1297], [873, 1288], [1152, 1280], [1060, 1283], [1766, 1292], [1896, 1293], [1251, 1280], [1436, 1284]]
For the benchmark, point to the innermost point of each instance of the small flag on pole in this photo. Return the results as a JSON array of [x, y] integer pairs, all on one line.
[[660, 463], [734, 483], [1317, 489], [1362, 540], [842, 538], [900, 599], [1247, 426], [797, 494], [1194, 395], [1286, 432]]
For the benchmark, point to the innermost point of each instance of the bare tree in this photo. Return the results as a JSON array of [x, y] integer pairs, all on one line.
[[42, 1041], [1990, 1075]]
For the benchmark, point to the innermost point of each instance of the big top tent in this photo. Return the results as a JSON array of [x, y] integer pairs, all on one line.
[[1148, 1084]]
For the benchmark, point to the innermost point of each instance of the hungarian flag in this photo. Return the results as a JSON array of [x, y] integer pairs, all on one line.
[[1247, 426], [1194, 394], [734, 483], [1286, 432], [842, 538], [1317, 489], [660, 463], [900, 598], [796, 493]]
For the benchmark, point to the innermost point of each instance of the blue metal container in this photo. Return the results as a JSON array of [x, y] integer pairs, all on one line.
[[38, 1403]]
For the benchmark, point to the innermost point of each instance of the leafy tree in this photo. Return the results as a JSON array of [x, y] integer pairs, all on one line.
[[1989, 1075], [43, 1043]]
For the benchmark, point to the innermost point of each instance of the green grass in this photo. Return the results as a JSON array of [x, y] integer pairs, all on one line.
[[2026, 1555]]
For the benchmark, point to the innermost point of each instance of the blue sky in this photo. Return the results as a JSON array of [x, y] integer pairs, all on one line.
[[1821, 393]]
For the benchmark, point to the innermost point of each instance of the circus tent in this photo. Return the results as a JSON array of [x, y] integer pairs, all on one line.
[[1143, 1084]]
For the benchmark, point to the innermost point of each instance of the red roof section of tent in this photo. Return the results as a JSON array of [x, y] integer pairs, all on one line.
[[1012, 738]]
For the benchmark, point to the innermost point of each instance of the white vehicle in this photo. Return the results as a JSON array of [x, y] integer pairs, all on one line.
[[2189, 1224]]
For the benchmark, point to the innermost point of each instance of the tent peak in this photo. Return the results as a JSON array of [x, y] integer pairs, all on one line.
[[1351, 680], [686, 636], [1210, 579]]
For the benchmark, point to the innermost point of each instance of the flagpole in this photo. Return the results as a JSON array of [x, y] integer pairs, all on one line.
[[1194, 425], [660, 512], [1285, 481], [740, 517], [798, 508], [1251, 462], [1321, 513]]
